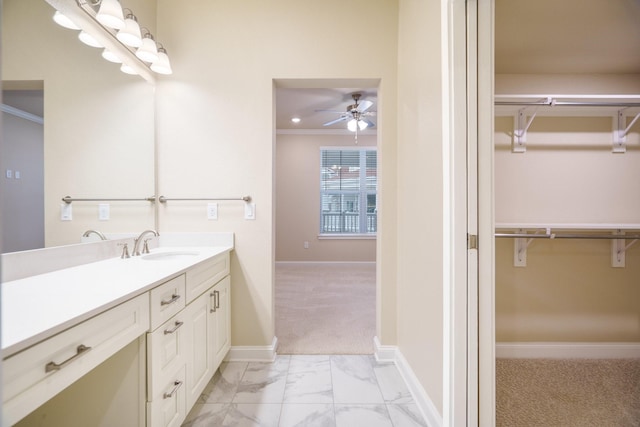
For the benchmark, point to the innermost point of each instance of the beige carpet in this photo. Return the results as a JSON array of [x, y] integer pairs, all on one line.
[[567, 393], [325, 308]]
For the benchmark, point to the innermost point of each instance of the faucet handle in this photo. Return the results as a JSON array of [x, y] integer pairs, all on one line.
[[125, 250], [145, 248]]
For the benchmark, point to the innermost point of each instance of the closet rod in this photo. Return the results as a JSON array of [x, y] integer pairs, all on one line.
[[570, 236], [554, 103], [69, 199], [163, 199]]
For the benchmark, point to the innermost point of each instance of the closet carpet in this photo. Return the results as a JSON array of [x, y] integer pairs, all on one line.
[[567, 392], [325, 308]]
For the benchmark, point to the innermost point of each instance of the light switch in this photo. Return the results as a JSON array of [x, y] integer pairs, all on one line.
[[212, 211], [66, 213], [249, 211], [103, 211]]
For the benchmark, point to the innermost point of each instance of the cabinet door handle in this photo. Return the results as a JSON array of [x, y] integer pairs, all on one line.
[[176, 386], [217, 298], [53, 366], [174, 298], [175, 328], [213, 307]]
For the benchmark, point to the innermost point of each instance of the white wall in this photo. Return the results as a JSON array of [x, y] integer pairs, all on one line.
[[215, 116], [298, 201]]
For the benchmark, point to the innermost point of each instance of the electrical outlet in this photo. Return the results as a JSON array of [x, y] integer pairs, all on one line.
[[249, 211], [212, 211], [306, 245]]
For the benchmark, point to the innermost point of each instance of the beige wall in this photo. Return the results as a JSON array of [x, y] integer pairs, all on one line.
[[298, 201], [98, 121], [568, 291], [215, 114], [420, 194]]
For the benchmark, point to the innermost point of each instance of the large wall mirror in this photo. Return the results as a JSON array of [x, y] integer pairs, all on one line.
[[97, 133]]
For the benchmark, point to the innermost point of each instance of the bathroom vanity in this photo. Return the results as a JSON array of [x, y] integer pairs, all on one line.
[[167, 313]]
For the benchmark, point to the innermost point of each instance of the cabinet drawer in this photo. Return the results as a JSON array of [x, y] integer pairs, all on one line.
[[168, 407], [36, 374], [203, 276], [167, 300], [165, 352]]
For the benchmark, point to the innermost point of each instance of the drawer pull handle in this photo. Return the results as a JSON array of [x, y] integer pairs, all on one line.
[[174, 298], [53, 366], [176, 386], [175, 328]]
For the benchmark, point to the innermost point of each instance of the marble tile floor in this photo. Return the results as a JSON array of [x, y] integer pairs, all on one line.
[[313, 390]]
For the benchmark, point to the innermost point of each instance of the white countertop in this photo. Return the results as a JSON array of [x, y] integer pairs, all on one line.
[[37, 307]]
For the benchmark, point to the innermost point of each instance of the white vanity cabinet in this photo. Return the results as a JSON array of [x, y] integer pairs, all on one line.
[[184, 352], [38, 373]]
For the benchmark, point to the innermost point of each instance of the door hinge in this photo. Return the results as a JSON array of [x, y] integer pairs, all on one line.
[[472, 241]]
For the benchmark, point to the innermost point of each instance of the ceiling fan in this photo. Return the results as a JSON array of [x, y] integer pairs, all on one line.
[[355, 115]]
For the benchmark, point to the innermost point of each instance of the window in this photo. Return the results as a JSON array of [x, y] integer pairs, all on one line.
[[348, 191]]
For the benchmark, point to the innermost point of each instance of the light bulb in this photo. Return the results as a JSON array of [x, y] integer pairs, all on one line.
[[148, 51], [110, 56], [110, 14], [127, 69], [162, 64], [88, 39], [130, 34], [64, 21], [352, 124], [362, 125]]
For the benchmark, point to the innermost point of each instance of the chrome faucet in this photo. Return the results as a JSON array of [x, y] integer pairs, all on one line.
[[96, 232], [136, 242]]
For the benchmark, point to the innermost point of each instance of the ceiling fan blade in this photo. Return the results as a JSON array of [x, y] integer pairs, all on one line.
[[341, 119], [329, 111], [364, 105], [369, 123], [368, 113]]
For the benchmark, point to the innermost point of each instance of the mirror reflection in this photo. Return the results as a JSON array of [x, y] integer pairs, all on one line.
[[97, 135]]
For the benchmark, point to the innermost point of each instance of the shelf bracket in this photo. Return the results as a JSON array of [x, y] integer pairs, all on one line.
[[520, 245], [521, 126], [619, 249], [620, 131]]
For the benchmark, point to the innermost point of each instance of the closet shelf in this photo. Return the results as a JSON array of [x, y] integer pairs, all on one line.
[[525, 108], [525, 234]]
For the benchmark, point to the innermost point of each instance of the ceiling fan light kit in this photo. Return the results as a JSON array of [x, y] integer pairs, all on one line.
[[355, 115]]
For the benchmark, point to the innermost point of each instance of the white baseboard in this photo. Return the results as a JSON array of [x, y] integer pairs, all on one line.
[[567, 350], [258, 353], [391, 353], [322, 262]]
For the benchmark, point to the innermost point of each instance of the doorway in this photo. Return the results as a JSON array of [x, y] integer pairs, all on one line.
[[326, 216]]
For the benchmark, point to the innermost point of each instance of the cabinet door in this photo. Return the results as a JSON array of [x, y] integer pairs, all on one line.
[[199, 322], [222, 320]]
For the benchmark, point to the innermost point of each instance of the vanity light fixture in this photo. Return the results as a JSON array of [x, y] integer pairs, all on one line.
[[110, 56], [88, 39], [110, 14], [148, 51], [128, 69], [62, 20], [162, 64], [108, 22], [130, 35]]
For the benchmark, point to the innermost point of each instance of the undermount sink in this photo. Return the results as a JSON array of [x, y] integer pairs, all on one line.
[[169, 256]]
